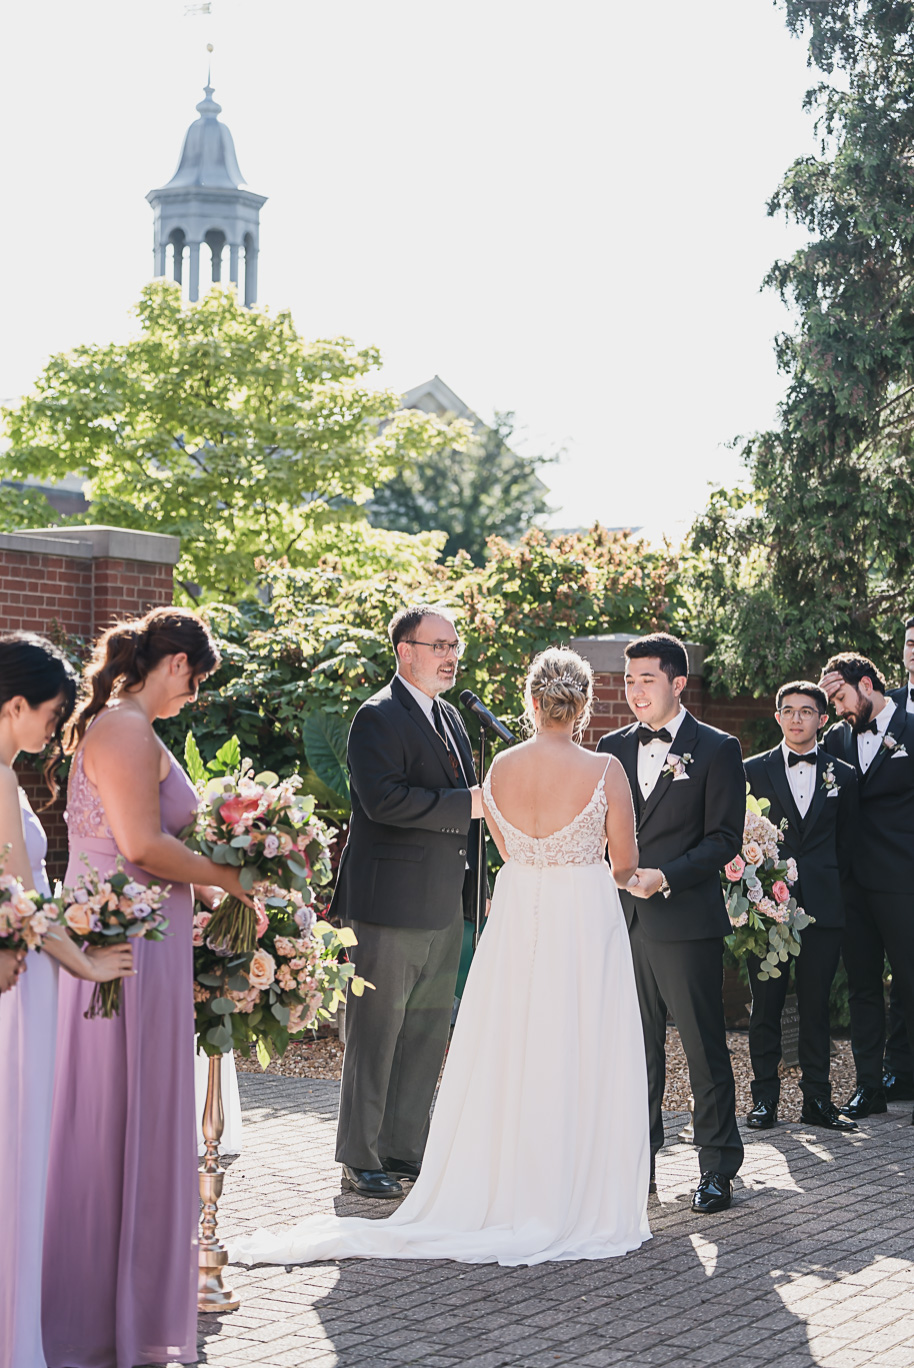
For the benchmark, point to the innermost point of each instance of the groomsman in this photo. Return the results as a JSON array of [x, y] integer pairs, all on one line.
[[689, 792], [403, 879], [876, 736], [817, 795], [898, 1069]]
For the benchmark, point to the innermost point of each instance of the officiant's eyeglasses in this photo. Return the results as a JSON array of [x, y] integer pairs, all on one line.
[[804, 714], [441, 648]]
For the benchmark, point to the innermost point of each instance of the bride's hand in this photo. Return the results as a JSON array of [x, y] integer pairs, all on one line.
[[107, 962]]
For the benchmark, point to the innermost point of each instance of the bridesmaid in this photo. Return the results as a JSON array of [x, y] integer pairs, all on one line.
[[37, 694], [120, 1248]]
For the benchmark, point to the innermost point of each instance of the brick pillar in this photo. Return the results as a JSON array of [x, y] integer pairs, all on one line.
[[77, 581]]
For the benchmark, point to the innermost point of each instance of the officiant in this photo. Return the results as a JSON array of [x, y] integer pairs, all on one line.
[[816, 794], [406, 878]]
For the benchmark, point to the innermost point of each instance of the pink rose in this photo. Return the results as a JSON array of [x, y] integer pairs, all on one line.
[[780, 892], [262, 970], [734, 870], [234, 809], [263, 920]]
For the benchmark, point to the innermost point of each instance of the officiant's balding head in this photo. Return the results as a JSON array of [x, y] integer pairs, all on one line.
[[427, 646]]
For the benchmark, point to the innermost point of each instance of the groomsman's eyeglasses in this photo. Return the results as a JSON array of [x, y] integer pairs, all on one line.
[[804, 714], [441, 648]]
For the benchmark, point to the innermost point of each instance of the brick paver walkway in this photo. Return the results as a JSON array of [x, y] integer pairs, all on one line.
[[811, 1266]]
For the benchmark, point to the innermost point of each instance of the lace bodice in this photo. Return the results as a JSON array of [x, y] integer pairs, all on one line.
[[581, 842], [85, 815]]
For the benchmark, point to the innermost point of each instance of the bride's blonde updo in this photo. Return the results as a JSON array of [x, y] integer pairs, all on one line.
[[561, 682]]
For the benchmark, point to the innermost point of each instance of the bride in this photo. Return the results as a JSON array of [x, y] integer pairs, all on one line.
[[544, 1094]]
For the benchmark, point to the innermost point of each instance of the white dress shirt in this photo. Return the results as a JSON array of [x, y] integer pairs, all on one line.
[[652, 757], [801, 778], [425, 703], [868, 743]]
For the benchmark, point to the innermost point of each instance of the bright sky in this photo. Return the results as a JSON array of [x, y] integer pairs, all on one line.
[[558, 208]]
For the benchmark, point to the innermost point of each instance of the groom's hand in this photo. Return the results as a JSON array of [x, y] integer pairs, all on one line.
[[644, 883]]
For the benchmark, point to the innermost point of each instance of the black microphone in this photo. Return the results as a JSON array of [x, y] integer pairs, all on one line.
[[485, 717]]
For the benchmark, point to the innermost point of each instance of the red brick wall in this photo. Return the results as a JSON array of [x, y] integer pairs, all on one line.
[[79, 595], [743, 717]]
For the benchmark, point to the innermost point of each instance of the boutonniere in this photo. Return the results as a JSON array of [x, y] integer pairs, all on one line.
[[829, 782], [893, 745], [676, 765]]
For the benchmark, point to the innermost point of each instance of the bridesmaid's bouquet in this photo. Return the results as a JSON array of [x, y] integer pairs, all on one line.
[[292, 978], [763, 912], [111, 911], [25, 917], [259, 824]]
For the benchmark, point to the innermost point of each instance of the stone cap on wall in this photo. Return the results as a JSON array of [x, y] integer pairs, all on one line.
[[95, 543], [606, 654]]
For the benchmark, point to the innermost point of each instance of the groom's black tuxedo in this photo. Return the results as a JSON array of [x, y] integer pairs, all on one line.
[[821, 843], [879, 895], [689, 828]]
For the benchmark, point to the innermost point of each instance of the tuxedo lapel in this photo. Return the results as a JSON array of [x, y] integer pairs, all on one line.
[[819, 793], [461, 740], [628, 754], [777, 777], [851, 754], [683, 744], [896, 729], [418, 719]]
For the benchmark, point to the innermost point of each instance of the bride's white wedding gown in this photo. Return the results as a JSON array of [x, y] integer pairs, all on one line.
[[538, 1147]]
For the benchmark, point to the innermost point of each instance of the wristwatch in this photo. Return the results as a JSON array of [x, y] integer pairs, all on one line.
[[664, 887]]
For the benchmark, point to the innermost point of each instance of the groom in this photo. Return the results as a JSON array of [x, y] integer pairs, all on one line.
[[689, 793], [403, 879]]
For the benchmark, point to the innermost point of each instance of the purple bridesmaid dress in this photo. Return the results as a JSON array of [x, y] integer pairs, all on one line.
[[120, 1243]]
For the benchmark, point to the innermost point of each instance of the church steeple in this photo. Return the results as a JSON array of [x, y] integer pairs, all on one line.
[[204, 204]]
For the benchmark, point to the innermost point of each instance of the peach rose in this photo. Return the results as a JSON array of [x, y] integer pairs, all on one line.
[[753, 853], [734, 870], [261, 970], [77, 918], [780, 892]]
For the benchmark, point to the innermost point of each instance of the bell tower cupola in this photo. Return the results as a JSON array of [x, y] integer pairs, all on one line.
[[205, 206]]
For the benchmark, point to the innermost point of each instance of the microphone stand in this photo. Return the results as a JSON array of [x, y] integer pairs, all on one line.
[[482, 881]]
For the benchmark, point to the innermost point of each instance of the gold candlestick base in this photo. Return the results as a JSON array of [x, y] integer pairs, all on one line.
[[211, 1295]]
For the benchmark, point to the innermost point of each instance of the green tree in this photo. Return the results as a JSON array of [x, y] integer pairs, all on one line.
[[221, 425], [482, 491], [819, 554]]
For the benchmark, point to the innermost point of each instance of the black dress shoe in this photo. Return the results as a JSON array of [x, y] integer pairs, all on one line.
[[820, 1111], [864, 1102], [898, 1087], [713, 1193], [400, 1168], [370, 1182], [763, 1115]]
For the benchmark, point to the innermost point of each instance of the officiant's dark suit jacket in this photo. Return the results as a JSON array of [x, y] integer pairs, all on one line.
[[410, 835], [883, 851], [690, 828], [822, 841]]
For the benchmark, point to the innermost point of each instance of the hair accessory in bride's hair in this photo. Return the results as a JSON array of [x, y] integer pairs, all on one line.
[[566, 679]]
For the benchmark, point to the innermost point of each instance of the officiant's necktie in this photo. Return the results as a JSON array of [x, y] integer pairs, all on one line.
[[438, 724], [793, 758], [647, 734]]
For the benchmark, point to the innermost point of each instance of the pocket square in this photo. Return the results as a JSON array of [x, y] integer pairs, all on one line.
[[677, 777], [833, 793], [900, 754]]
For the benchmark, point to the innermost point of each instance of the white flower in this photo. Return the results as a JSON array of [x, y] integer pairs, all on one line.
[[134, 890]]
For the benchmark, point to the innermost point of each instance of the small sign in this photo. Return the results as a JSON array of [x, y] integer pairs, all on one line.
[[790, 1032]]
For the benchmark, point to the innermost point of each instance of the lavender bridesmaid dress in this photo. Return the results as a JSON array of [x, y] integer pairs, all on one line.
[[28, 1028], [120, 1244]]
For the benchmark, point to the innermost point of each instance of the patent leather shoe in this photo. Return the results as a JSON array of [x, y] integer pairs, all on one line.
[[400, 1168], [898, 1087], [370, 1182], [763, 1115], [713, 1193], [864, 1102], [821, 1111]]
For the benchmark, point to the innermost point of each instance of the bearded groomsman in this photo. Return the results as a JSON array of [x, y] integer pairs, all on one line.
[[876, 736], [817, 796], [898, 1069], [689, 792]]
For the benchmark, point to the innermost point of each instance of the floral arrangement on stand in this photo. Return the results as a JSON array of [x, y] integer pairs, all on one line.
[[763, 912], [268, 981], [111, 911]]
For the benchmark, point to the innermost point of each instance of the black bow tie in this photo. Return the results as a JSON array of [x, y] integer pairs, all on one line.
[[911, 691], [646, 735], [794, 759], [869, 727]]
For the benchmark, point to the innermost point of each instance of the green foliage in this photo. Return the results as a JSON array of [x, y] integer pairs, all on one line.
[[223, 426], [483, 491], [22, 506], [819, 556]]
